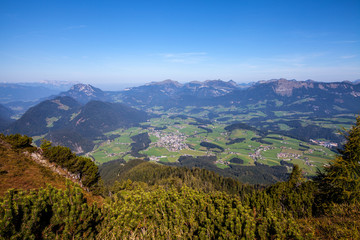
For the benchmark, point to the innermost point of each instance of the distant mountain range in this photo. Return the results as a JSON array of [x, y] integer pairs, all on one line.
[[12, 92], [317, 98], [85, 112], [170, 93], [321, 97], [21, 96]]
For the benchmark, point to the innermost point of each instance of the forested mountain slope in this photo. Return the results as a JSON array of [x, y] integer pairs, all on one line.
[[65, 121], [5, 117], [47, 115]]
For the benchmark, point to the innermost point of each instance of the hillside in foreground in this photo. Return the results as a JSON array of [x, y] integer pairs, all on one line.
[[19, 171], [25, 167]]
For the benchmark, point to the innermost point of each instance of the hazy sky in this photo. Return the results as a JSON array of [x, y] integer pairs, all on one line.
[[130, 42]]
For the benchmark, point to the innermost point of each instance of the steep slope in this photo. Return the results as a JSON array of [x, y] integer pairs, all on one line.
[[66, 122], [19, 171], [5, 114], [47, 115], [97, 117], [26, 168], [68, 137]]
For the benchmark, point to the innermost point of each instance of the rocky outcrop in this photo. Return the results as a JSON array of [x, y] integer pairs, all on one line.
[[84, 93], [38, 158]]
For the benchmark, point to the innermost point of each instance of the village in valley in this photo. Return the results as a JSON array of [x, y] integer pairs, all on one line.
[[171, 138]]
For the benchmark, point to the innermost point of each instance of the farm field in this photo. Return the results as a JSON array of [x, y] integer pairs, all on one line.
[[188, 132]]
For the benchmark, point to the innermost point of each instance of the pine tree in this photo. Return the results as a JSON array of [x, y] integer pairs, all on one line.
[[341, 180]]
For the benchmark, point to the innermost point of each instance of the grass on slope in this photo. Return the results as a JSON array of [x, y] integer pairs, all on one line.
[[18, 171]]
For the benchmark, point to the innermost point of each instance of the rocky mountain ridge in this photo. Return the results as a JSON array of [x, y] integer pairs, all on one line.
[[277, 94], [285, 87]]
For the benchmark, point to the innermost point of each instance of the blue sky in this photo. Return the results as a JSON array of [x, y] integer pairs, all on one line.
[[132, 42]]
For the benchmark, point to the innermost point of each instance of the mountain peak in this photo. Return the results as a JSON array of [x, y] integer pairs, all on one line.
[[232, 82], [87, 89], [84, 93], [167, 82], [221, 83]]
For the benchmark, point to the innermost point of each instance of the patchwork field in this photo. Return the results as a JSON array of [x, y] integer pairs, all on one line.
[[188, 132]]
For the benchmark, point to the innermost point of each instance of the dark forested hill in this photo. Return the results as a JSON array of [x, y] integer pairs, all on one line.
[[98, 117], [65, 121], [5, 116], [47, 115]]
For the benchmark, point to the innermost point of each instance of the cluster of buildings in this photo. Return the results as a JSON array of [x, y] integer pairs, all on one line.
[[257, 154], [223, 162], [324, 143], [288, 156], [173, 142], [155, 158]]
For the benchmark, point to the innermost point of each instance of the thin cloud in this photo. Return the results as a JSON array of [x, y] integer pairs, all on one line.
[[295, 60], [75, 27], [299, 65], [348, 56], [189, 57], [310, 34], [346, 42]]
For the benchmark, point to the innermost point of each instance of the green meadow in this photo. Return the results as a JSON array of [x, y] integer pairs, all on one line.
[[250, 146]]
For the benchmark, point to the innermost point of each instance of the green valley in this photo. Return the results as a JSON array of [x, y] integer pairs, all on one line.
[[181, 132]]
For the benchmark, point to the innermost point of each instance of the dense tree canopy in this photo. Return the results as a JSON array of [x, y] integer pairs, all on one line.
[[341, 179], [85, 168]]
